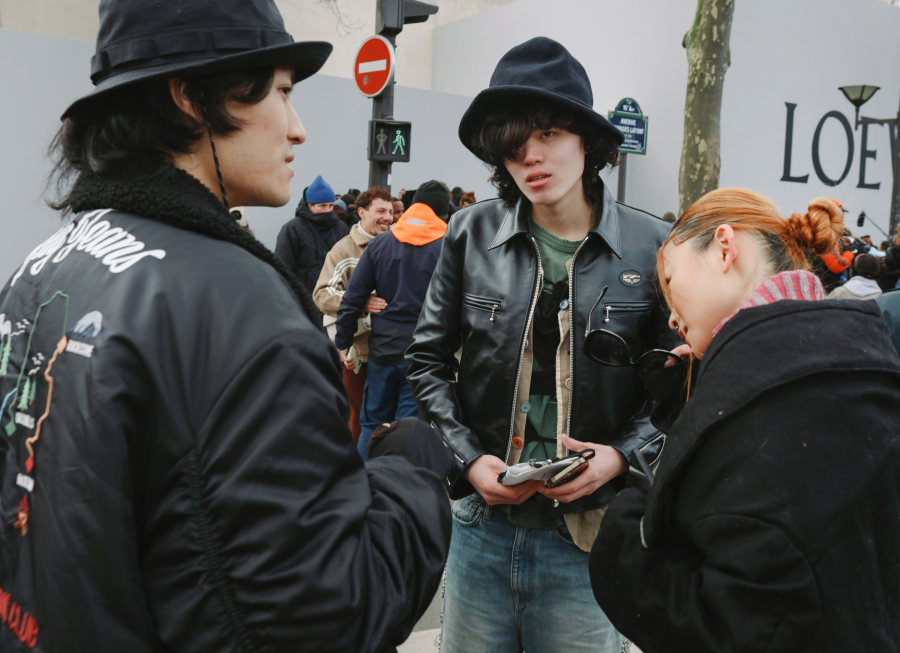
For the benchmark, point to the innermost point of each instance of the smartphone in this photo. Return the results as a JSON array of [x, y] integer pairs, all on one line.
[[568, 473], [357, 363]]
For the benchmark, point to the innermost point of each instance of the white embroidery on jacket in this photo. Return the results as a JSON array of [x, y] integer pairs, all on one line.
[[116, 248]]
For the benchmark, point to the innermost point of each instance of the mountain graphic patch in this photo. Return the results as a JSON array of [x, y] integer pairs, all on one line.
[[89, 326]]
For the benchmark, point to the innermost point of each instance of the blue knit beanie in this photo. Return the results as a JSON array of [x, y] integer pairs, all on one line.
[[319, 192]]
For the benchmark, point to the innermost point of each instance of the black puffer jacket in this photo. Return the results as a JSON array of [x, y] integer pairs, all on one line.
[[774, 521], [304, 242], [194, 486], [482, 296]]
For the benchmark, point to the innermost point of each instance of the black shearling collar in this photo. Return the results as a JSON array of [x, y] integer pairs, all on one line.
[[153, 188]]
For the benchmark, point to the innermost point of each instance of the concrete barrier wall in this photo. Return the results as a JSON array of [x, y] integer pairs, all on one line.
[[782, 51], [40, 75]]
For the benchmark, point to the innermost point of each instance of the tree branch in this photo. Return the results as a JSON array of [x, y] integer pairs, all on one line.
[[346, 24]]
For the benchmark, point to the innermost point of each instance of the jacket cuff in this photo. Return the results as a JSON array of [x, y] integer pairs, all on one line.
[[341, 341], [463, 457], [637, 433]]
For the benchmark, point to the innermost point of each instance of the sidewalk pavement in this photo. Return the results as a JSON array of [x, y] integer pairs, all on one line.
[[424, 638]]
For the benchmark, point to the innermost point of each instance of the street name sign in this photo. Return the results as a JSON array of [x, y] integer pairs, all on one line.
[[373, 68], [633, 124]]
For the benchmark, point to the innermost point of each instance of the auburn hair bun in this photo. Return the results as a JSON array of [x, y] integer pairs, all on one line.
[[819, 228]]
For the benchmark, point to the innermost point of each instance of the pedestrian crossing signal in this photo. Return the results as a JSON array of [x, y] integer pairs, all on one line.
[[389, 141]]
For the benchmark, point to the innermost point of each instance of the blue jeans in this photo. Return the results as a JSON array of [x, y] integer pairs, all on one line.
[[511, 589], [386, 398]]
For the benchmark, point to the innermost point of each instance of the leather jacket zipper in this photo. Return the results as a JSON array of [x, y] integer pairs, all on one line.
[[629, 307], [483, 304], [572, 340], [660, 436], [535, 294]]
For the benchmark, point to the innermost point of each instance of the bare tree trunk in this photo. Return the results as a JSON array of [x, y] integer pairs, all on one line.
[[709, 56]]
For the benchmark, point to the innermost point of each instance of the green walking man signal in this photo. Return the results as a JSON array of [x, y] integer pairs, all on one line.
[[399, 142], [389, 141]]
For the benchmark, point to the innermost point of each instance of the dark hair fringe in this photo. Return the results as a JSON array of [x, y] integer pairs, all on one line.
[[142, 119], [504, 131]]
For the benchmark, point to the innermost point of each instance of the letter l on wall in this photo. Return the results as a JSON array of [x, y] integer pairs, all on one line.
[[788, 147]]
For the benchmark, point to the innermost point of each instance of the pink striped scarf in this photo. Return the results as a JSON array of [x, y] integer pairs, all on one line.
[[796, 284]]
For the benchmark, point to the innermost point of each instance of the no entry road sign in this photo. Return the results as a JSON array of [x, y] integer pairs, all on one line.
[[373, 68]]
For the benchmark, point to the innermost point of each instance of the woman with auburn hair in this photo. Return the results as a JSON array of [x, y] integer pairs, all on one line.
[[772, 523]]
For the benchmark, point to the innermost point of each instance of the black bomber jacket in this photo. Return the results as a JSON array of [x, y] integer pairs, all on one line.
[[482, 297], [176, 470]]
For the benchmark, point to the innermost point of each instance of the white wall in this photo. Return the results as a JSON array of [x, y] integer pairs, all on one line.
[[344, 23], [50, 72], [797, 51], [801, 51], [336, 118], [313, 20], [628, 49]]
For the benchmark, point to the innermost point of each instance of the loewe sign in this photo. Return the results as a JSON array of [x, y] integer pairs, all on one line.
[[864, 152]]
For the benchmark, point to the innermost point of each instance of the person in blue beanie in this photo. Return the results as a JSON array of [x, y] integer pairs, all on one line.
[[305, 240]]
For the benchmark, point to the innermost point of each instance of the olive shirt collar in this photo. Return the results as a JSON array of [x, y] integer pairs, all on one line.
[[607, 227]]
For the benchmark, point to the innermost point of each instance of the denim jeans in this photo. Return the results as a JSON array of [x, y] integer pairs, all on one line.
[[511, 589], [386, 398]]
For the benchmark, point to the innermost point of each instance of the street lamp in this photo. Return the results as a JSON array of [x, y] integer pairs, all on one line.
[[858, 96], [861, 220]]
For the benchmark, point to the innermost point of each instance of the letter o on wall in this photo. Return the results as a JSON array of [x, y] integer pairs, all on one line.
[[825, 179]]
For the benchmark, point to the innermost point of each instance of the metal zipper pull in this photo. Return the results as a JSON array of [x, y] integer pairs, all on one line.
[[494, 308], [607, 314]]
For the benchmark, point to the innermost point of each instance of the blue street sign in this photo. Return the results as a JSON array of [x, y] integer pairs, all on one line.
[[629, 105], [633, 124]]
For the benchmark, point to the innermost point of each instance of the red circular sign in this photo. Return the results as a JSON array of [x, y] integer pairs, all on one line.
[[373, 68]]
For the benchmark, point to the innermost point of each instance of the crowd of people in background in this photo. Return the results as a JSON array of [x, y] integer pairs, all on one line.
[[325, 243]]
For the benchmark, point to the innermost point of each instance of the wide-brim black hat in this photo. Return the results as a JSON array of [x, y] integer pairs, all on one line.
[[141, 40], [537, 69]]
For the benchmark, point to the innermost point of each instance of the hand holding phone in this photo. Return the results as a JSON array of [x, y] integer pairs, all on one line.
[[558, 471]]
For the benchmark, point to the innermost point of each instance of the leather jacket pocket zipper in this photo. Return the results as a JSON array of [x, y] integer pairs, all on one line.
[[493, 306], [624, 307]]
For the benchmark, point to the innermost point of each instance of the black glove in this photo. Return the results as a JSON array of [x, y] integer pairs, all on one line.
[[668, 388], [859, 247], [416, 441]]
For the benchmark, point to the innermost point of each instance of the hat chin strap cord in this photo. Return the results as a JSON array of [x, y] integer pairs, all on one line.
[[212, 142]]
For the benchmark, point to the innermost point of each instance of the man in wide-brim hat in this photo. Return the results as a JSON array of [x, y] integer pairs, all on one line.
[[515, 285], [177, 471]]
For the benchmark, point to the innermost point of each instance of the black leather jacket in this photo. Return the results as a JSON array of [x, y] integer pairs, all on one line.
[[489, 259]]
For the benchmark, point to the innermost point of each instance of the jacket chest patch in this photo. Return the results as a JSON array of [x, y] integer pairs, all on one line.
[[631, 278]]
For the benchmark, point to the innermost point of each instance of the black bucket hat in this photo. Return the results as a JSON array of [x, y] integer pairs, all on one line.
[[539, 68], [141, 40]]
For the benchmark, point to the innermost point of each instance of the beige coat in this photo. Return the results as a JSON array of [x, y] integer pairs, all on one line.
[[339, 265], [583, 526]]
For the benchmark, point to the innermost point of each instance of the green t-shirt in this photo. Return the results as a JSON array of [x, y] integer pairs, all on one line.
[[555, 253]]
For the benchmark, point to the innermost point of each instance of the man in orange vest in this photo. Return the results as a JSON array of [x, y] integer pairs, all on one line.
[[397, 265]]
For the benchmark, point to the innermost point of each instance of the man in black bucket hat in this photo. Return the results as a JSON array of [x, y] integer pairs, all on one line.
[[177, 473], [515, 284]]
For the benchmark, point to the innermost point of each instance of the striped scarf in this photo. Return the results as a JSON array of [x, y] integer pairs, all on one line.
[[796, 284]]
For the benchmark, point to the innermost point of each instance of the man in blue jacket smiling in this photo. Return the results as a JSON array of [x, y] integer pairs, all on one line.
[[397, 265]]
